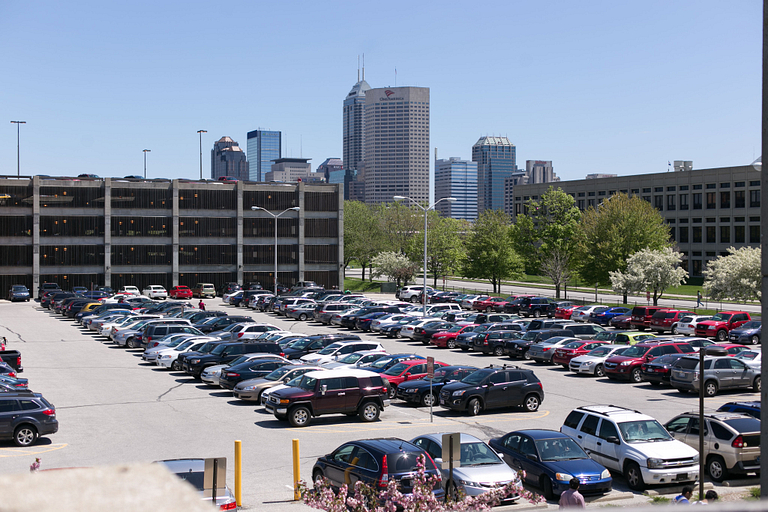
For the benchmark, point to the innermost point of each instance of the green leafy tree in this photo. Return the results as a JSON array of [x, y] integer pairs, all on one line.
[[396, 267], [650, 270], [398, 223], [362, 234], [735, 276], [445, 245], [616, 229], [489, 250]]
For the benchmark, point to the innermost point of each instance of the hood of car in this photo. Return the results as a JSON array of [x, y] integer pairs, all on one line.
[[576, 467], [485, 474], [746, 331], [672, 449]]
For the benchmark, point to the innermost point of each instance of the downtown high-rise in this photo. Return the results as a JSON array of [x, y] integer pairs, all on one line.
[[228, 159], [495, 157], [456, 178], [264, 147]]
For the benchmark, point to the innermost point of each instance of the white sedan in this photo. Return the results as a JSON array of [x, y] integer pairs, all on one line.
[[581, 314], [591, 363]]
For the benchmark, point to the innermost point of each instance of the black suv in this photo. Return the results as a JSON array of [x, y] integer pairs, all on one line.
[[520, 347], [492, 388], [24, 417], [227, 352], [350, 321], [425, 391], [330, 392], [538, 306], [492, 342]]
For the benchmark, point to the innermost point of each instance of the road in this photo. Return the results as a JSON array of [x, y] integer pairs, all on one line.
[[114, 409]]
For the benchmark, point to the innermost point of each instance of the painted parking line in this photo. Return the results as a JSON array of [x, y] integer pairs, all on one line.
[[30, 450], [417, 423]]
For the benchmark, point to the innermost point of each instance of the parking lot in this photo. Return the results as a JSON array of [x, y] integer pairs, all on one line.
[[113, 408]]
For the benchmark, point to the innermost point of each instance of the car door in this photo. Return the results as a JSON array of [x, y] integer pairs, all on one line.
[[350, 391], [692, 436], [416, 371], [337, 464], [741, 375], [331, 396], [495, 389], [587, 437], [724, 373], [529, 458], [7, 413], [607, 444], [678, 428]]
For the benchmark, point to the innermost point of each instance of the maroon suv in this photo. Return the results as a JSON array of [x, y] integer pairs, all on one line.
[[664, 319], [627, 366], [641, 316]]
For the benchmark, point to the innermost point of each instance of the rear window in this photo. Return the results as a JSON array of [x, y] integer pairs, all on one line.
[[659, 314], [573, 419], [686, 363], [406, 462], [744, 425], [638, 312]]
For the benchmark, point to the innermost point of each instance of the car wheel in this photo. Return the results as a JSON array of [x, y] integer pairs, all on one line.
[[474, 407], [392, 391], [754, 339], [546, 487], [527, 356], [599, 371], [175, 366], [428, 400], [317, 478], [637, 375], [674, 330], [451, 344], [722, 335], [369, 411], [302, 317], [488, 309], [710, 388], [634, 476], [532, 403], [536, 313], [499, 351], [130, 343], [716, 468], [414, 299], [25, 435], [299, 416], [757, 384]]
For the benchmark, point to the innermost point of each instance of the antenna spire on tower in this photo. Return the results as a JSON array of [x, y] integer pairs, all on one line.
[[363, 66], [358, 68]]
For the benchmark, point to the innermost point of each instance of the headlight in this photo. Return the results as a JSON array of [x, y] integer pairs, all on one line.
[[605, 474], [563, 477], [165, 357], [194, 361], [409, 390], [696, 458], [625, 363], [655, 463], [249, 388], [588, 363], [467, 482], [459, 392]]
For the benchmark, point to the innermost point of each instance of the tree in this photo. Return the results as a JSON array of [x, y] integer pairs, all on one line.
[[735, 276], [445, 245], [398, 224], [546, 235], [489, 250], [650, 270], [616, 229], [397, 267], [362, 234]]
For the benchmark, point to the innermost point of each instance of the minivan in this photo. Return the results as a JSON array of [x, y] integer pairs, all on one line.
[[204, 290]]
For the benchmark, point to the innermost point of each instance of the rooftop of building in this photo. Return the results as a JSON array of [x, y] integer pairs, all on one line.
[[493, 141], [359, 89]]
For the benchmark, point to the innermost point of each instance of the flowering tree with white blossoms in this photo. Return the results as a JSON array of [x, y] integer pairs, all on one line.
[[735, 276], [651, 271]]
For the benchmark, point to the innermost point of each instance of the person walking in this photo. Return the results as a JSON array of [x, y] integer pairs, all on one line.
[[201, 305], [698, 299], [572, 498], [685, 497]]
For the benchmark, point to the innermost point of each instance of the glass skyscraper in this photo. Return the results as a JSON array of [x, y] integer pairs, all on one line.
[[456, 178], [263, 148], [495, 157]]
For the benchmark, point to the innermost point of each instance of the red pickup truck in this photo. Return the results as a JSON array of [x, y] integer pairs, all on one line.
[[721, 324]]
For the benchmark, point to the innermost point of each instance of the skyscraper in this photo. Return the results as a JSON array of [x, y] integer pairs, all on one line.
[[352, 140], [396, 144], [495, 157], [264, 147], [228, 159], [456, 178]]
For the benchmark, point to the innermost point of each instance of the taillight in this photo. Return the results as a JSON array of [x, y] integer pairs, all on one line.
[[18, 362], [282, 354], [228, 506], [738, 442], [12, 374], [49, 412], [240, 334], [233, 374], [384, 478]]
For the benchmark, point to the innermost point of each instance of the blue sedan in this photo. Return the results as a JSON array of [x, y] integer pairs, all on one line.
[[550, 459], [603, 316]]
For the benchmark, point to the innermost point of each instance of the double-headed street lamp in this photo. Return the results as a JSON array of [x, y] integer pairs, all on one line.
[[275, 216], [145, 151], [201, 132], [18, 153], [426, 210]]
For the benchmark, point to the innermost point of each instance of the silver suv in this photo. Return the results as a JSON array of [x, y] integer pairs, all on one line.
[[723, 372], [731, 441], [411, 293]]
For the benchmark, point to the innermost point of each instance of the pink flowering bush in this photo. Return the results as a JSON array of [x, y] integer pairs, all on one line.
[[35, 465], [364, 498]]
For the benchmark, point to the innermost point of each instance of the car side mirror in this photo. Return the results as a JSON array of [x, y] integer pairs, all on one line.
[[613, 440], [438, 461], [489, 385], [323, 389], [531, 456]]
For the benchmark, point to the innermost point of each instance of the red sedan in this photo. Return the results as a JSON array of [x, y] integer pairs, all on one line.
[[488, 305], [447, 339], [411, 369], [180, 292], [732, 348], [565, 313], [564, 354]]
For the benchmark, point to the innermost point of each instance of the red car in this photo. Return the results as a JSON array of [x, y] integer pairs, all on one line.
[[663, 319], [721, 324], [732, 348], [411, 369], [621, 322], [628, 365], [180, 292], [564, 354], [489, 304], [447, 339], [566, 312]]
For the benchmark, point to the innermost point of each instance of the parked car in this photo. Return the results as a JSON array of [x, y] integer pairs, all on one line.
[[538, 306], [627, 366], [361, 359], [721, 324], [204, 290], [632, 443], [750, 408], [621, 322], [311, 344], [549, 459], [411, 293], [604, 316], [623, 337], [564, 354], [581, 314], [385, 363], [543, 351], [425, 391], [519, 347], [254, 369], [339, 349], [720, 372], [659, 370], [494, 387], [747, 333], [668, 320], [592, 363], [25, 416], [565, 311], [412, 369], [447, 338], [250, 390], [731, 441], [18, 292]]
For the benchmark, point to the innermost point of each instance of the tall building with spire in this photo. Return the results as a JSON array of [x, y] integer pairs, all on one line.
[[352, 134], [228, 159], [496, 161]]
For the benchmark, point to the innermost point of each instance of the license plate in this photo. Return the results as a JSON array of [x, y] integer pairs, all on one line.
[[442, 401], [680, 375], [682, 476]]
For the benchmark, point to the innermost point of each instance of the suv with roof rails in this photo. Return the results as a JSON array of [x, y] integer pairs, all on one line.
[[466, 341], [343, 391], [492, 388], [633, 444], [627, 366], [584, 331], [538, 306]]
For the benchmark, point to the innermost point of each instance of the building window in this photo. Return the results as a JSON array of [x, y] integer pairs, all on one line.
[[658, 189], [671, 189], [754, 183], [711, 185], [647, 199], [670, 202], [658, 202], [683, 187], [683, 201], [725, 199], [725, 234], [711, 235], [697, 187], [646, 191], [754, 198], [711, 200], [696, 267], [725, 185], [697, 201], [683, 238], [696, 220], [739, 199], [754, 234], [591, 203], [580, 203], [738, 234], [696, 233], [738, 184]]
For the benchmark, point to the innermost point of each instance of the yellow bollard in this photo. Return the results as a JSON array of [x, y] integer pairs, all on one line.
[[296, 475], [239, 473]]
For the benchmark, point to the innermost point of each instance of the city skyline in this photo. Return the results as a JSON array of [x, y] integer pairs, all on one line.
[[611, 89]]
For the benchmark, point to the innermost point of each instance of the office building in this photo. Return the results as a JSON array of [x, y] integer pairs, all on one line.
[[598, 176], [115, 233], [707, 210], [228, 159], [396, 144], [539, 171], [289, 170], [456, 178], [496, 161], [353, 122], [264, 147], [328, 166]]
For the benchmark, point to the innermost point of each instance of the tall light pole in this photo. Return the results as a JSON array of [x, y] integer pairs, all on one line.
[[18, 152], [145, 161], [201, 132], [275, 216], [704, 351], [426, 210]]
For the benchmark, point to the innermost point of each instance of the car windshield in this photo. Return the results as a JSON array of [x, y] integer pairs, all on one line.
[[478, 454], [530, 335], [184, 345], [749, 355], [643, 431], [218, 350], [277, 374], [600, 351], [239, 360], [350, 358], [600, 310], [307, 383], [721, 317], [397, 369], [474, 379], [330, 349], [19, 288], [174, 343], [636, 351], [207, 347], [573, 344], [382, 362], [562, 448], [300, 343]]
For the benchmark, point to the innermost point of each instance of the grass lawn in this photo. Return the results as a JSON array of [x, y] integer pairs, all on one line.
[[354, 284]]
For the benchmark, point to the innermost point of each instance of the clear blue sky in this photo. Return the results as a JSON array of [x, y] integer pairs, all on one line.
[[595, 86]]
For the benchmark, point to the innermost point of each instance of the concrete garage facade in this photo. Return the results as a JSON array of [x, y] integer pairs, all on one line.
[[116, 232]]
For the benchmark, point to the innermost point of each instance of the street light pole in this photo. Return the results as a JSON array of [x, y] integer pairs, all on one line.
[[145, 161], [18, 152], [426, 210], [295, 208], [201, 132], [708, 351]]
